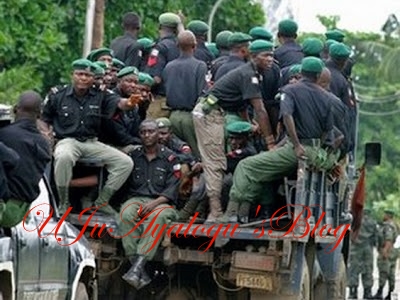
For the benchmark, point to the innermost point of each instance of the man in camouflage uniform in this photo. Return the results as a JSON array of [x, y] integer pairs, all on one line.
[[361, 256], [387, 239]]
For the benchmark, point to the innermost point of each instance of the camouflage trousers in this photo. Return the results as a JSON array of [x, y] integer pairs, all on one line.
[[361, 262], [387, 270]]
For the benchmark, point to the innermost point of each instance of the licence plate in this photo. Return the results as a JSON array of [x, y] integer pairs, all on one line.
[[254, 281]]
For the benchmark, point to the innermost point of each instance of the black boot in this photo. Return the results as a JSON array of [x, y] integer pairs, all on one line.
[[378, 295], [136, 275], [353, 292], [367, 293]]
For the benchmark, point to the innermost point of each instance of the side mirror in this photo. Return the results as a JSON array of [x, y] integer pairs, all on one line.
[[373, 152]]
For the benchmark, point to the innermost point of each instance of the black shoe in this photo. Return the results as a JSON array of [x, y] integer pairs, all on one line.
[[388, 296], [136, 275], [367, 294], [353, 293], [378, 295]]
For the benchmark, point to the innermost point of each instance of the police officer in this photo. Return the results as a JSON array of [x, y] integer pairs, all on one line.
[[126, 47], [232, 93], [34, 154], [307, 116], [362, 256], [239, 44], [110, 78], [200, 30], [122, 130], [387, 239], [144, 88], [9, 159], [289, 52], [163, 52], [76, 112], [185, 81], [153, 187], [222, 43], [145, 46], [339, 36]]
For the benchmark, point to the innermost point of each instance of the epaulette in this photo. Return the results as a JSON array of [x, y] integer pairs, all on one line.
[[54, 91]]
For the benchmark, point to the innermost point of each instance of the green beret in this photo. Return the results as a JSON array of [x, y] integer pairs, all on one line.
[[117, 64], [238, 128], [222, 39], [100, 68], [83, 64], [329, 43], [169, 19], [261, 46], [389, 212], [294, 69], [287, 27], [312, 47], [335, 34], [238, 38], [260, 33], [145, 79], [163, 123], [97, 53], [212, 47], [339, 50], [128, 71], [146, 43], [198, 27], [312, 64]]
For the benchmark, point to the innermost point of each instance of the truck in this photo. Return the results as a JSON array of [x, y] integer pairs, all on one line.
[[300, 252]]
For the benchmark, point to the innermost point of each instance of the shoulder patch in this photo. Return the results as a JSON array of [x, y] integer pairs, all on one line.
[[154, 52], [254, 80], [186, 149], [171, 157], [177, 167]]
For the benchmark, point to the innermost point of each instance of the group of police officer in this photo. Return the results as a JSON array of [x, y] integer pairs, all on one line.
[[213, 124]]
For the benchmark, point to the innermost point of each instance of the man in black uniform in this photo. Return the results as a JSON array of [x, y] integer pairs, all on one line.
[[222, 42], [126, 47], [239, 43], [289, 52], [200, 30], [163, 52], [190, 73], [34, 154], [145, 46], [232, 93], [307, 115], [153, 191], [76, 114], [102, 54]]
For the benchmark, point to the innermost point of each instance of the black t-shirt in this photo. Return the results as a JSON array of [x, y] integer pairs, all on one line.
[[288, 54], [236, 88], [310, 106], [230, 64], [79, 118], [127, 49]]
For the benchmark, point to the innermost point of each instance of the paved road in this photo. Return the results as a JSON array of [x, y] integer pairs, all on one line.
[[376, 282]]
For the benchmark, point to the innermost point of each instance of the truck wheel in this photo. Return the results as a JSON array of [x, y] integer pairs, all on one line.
[[81, 292]]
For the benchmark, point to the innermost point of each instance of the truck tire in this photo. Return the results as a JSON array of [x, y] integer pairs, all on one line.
[[338, 287], [81, 292]]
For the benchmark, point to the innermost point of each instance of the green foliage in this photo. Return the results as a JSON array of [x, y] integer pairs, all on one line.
[[330, 22]]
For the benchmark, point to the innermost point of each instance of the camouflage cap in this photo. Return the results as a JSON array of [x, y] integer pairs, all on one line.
[[222, 39], [312, 47], [198, 27], [261, 33], [97, 53], [128, 71], [169, 19], [335, 34]]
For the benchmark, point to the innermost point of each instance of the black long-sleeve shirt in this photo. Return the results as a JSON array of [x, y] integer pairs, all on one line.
[[34, 152], [9, 159], [154, 178]]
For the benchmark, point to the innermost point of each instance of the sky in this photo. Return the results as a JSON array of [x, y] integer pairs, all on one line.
[[355, 15]]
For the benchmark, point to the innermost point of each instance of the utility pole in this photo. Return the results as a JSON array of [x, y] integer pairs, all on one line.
[[98, 24], [87, 43]]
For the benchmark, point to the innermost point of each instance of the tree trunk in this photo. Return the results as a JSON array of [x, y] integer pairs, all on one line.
[[98, 24]]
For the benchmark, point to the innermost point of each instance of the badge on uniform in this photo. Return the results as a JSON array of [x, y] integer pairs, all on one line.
[[177, 170], [254, 80], [153, 58]]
